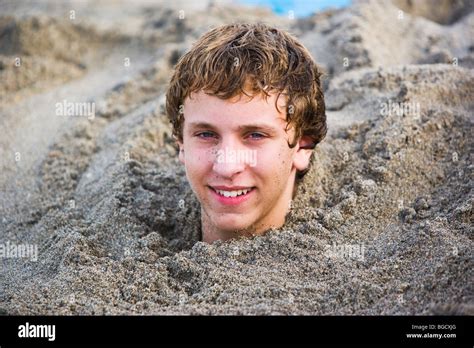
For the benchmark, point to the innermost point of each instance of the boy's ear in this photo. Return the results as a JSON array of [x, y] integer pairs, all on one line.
[[303, 153], [181, 151]]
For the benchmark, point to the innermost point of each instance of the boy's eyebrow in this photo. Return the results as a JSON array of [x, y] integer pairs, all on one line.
[[199, 125], [255, 126]]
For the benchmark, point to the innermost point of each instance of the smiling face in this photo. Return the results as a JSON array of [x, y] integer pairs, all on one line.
[[239, 164]]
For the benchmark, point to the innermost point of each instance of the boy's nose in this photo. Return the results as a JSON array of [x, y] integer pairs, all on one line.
[[228, 163]]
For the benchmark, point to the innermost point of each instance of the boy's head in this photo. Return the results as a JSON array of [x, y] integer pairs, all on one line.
[[247, 111]]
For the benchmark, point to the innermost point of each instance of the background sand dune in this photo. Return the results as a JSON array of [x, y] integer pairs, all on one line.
[[117, 225]]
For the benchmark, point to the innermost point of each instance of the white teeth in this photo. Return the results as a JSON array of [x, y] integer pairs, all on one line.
[[232, 193]]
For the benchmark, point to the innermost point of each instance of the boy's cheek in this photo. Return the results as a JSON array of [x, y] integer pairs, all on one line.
[[196, 162]]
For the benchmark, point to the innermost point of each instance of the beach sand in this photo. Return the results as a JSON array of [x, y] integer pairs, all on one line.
[[383, 223]]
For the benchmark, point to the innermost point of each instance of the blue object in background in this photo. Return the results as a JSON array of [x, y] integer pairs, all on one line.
[[300, 8]]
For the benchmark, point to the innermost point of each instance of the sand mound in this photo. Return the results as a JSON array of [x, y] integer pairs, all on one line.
[[382, 224], [39, 52], [373, 34], [440, 11], [131, 217]]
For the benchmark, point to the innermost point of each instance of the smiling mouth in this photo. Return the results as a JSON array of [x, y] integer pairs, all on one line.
[[232, 193]]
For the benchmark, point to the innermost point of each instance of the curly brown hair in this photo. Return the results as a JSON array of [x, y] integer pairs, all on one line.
[[234, 57]]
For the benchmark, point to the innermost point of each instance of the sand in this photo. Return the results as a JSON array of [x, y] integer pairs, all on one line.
[[382, 224]]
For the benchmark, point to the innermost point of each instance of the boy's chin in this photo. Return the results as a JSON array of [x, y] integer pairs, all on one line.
[[231, 222]]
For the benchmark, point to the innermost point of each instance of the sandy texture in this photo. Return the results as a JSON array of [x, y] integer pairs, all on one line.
[[117, 225]]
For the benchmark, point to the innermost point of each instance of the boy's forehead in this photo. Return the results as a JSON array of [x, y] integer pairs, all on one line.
[[204, 104]]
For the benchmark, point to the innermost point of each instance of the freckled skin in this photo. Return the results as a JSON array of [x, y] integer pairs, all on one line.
[[272, 177]]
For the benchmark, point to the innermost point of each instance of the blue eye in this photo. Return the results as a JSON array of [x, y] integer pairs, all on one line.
[[205, 135], [256, 136]]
